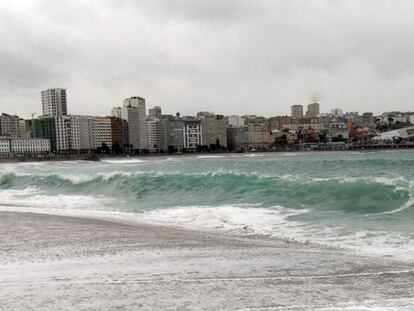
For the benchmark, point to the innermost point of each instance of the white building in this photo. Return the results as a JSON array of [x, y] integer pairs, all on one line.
[[152, 135], [63, 126], [192, 133], [403, 133], [4, 145], [54, 102], [81, 132], [36, 145], [13, 146]]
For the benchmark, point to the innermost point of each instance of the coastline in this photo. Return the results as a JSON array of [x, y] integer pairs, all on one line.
[[96, 158], [59, 262]]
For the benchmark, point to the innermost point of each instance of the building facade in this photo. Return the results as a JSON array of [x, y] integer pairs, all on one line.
[[236, 138], [153, 137], [45, 127], [134, 130], [11, 146], [154, 113], [313, 110], [101, 132], [296, 111], [54, 102], [192, 133], [235, 121], [214, 130], [64, 138], [258, 136], [117, 130], [10, 125], [171, 133]]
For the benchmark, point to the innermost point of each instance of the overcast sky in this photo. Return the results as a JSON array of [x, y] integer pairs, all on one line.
[[230, 57]]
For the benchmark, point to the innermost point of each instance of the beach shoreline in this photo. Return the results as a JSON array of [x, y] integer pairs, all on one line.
[[96, 158], [51, 262]]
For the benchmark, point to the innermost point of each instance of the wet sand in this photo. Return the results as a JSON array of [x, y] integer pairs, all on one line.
[[69, 263]]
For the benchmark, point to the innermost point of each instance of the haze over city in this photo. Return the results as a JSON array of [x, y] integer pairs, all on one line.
[[243, 57]]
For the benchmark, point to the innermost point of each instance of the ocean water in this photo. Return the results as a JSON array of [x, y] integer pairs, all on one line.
[[360, 201]]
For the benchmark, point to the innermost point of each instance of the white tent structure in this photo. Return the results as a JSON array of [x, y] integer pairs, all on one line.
[[403, 133]]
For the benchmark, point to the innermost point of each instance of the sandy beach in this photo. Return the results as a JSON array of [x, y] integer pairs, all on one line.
[[68, 263]]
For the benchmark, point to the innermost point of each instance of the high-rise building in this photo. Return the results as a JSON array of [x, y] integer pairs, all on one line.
[[116, 130], [155, 112], [296, 111], [54, 102], [152, 132], [192, 133], [214, 129], [64, 136], [117, 113], [81, 132], [101, 132], [313, 110], [134, 102], [134, 113], [171, 133]]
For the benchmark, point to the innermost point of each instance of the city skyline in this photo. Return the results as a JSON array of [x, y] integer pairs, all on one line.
[[305, 110], [188, 56]]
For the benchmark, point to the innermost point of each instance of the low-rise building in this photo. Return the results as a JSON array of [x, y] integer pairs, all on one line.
[[12, 146], [10, 125], [4, 146], [259, 136]]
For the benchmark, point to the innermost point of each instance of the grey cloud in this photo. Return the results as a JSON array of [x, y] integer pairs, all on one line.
[[228, 56]]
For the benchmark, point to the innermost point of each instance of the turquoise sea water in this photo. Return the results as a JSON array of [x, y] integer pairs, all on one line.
[[359, 201]]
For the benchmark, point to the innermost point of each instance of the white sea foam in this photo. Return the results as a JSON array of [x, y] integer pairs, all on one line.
[[277, 222], [240, 219], [32, 197], [211, 157], [407, 205], [254, 155], [125, 161], [386, 181]]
